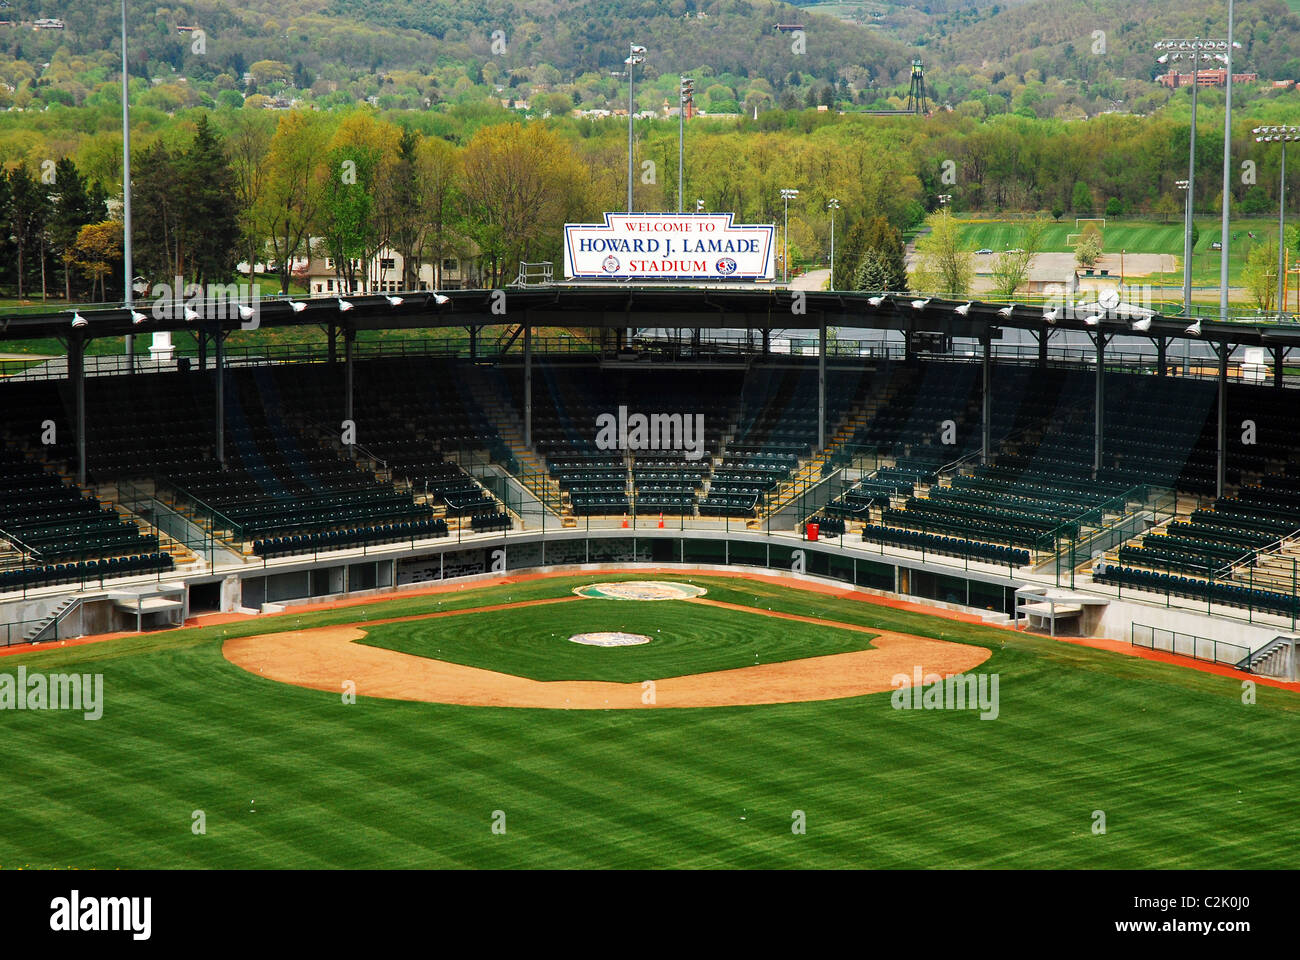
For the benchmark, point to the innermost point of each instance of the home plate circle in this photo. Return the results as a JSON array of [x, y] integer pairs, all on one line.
[[609, 639], [641, 590]]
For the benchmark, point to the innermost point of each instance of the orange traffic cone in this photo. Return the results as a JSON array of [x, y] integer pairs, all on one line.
[[625, 521], [661, 520]]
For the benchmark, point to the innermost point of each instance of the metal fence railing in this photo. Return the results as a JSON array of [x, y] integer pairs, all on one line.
[[1186, 644]]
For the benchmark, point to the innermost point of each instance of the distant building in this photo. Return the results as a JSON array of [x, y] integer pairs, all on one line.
[[48, 23], [788, 27], [384, 275], [1205, 78]]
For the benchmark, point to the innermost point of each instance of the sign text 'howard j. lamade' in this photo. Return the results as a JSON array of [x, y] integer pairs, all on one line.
[[704, 246]]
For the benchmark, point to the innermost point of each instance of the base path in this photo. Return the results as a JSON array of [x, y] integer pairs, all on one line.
[[325, 658]]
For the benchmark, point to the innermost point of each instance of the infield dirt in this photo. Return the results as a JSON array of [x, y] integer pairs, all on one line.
[[326, 658]]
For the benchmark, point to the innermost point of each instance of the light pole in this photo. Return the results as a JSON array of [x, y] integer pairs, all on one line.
[[1196, 50], [128, 268], [1227, 170], [686, 94], [832, 205], [787, 196], [1186, 187], [1280, 135], [637, 55]]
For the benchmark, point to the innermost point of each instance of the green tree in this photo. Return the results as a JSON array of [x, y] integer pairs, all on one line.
[[28, 211], [295, 185], [247, 147], [73, 206], [1011, 267], [210, 216], [887, 243], [1088, 248], [1260, 275], [945, 264], [344, 219], [872, 273], [1081, 200]]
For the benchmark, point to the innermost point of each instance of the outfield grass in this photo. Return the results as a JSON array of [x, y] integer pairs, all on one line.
[[1186, 774]]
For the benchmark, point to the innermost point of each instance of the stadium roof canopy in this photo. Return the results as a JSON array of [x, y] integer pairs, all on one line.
[[635, 306]]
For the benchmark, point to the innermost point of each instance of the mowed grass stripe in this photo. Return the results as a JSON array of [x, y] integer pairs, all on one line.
[[1162, 750]]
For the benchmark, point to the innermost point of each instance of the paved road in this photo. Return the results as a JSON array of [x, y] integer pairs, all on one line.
[[812, 280]]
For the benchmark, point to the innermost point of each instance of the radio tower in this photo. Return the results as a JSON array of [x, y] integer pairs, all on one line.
[[916, 99]]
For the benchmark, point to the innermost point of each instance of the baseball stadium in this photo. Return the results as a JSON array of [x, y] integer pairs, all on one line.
[[637, 576]]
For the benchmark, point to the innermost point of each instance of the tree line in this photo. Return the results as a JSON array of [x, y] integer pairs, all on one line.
[[216, 188]]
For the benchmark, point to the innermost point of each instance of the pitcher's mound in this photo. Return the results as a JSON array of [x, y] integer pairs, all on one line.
[[641, 590], [610, 639]]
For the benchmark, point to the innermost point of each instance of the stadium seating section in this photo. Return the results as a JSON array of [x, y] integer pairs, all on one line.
[[911, 430]]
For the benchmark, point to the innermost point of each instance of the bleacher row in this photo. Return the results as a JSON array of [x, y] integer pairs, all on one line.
[[353, 537]]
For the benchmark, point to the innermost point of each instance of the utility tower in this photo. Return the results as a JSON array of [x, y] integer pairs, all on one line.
[[917, 102]]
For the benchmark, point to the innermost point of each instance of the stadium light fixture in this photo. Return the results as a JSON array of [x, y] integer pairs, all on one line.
[[1225, 238], [685, 97], [1282, 135], [635, 56], [1196, 50]]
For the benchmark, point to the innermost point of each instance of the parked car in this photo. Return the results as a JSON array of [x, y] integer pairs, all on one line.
[[983, 250]]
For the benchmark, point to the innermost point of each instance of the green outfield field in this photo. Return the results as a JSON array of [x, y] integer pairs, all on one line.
[[1185, 773], [1137, 236]]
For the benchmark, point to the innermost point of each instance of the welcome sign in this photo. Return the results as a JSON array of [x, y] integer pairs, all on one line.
[[669, 246]]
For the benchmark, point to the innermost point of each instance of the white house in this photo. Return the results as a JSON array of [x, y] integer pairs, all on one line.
[[385, 270]]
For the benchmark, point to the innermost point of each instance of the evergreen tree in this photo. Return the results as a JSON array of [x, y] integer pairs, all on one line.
[[73, 206], [882, 238], [28, 211], [155, 230], [873, 273], [210, 218]]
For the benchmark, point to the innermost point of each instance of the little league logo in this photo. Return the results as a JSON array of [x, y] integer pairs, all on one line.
[[610, 264], [726, 266]]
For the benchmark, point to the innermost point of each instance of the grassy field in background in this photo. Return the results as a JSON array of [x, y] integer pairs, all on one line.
[[1136, 236], [1186, 774]]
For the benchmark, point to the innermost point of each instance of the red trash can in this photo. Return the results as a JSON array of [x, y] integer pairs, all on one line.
[[813, 529]]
